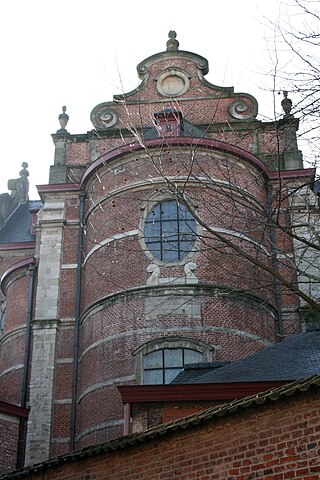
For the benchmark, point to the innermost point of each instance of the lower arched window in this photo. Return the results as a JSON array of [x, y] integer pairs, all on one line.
[[163, 365]]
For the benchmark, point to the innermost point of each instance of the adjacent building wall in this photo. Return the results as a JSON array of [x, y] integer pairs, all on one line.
[[9, 434], [274, 441]]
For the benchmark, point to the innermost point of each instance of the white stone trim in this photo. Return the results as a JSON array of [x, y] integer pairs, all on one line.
[[100, 426], [176, 331], [61, 440], [67, 323], [63, 401], [68, 266], [11, 369], [41, 396], [9, 418], [108, 240], [45, 325], [107, 383], [142, 185], [62, 361], [15, 333], [242, 236]]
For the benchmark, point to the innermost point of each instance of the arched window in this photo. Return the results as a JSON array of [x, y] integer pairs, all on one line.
[[163, 365], [170, 231]]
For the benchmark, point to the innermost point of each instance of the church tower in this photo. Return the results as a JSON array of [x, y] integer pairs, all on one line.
[[153, 249]]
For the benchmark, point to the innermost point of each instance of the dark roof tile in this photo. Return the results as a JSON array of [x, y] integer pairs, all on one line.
[[195, 370], [292, 359], [17, 227]]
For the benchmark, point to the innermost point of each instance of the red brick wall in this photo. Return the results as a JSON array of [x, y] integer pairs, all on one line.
[[148, 415], [276, 441], [117, 199], [122, 264], [9, 431], [13, 338]]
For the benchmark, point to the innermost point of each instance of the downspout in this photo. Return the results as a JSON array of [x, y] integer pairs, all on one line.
[[278, 297], [127, 415], [76, 326], [25, 374]]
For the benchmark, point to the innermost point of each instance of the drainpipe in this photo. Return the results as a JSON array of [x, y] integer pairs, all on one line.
[[76, 326], [25, 374], [127, 414], [278, 297]]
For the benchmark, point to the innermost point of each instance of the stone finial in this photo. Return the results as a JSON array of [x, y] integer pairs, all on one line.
[[172, 43], [286, 103], [24, 172], [63, 120]]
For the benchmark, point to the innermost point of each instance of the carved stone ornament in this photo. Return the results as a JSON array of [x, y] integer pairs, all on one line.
[[240, 111], [20, 186], [108, 118], [102, 117], [172, 43], [155, 274], [63, 120], [189, 270], [286, 104], [172, 83]]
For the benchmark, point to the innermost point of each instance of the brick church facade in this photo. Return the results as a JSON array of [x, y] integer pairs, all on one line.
[[150, 250]]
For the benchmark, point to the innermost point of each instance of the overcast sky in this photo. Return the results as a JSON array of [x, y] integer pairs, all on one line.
[[79, 53]]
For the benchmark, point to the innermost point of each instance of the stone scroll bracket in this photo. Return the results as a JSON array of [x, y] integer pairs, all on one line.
[[156, 279]]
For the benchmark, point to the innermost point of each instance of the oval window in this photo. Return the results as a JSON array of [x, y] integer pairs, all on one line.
[[170, 231]]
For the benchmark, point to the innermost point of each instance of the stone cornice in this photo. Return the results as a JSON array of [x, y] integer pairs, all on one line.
[[13, 268], [58, 187], [201, 62], [175, 141], [190, 289], [18, 246], [286, 174], [14, 410]]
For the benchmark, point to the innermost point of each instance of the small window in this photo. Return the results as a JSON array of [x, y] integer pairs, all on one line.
[[34, 219], [170, 231], [162, 366], [2, 315]]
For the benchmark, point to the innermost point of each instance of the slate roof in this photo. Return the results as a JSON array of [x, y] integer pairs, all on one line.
[[295, 358], [196, 370], [204, 416], [17, 227]]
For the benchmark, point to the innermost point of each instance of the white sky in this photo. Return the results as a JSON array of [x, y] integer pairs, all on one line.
[[77, 53]]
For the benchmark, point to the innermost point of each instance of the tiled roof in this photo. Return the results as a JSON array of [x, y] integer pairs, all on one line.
[[17, 227], [292, 359], [205, 416]]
